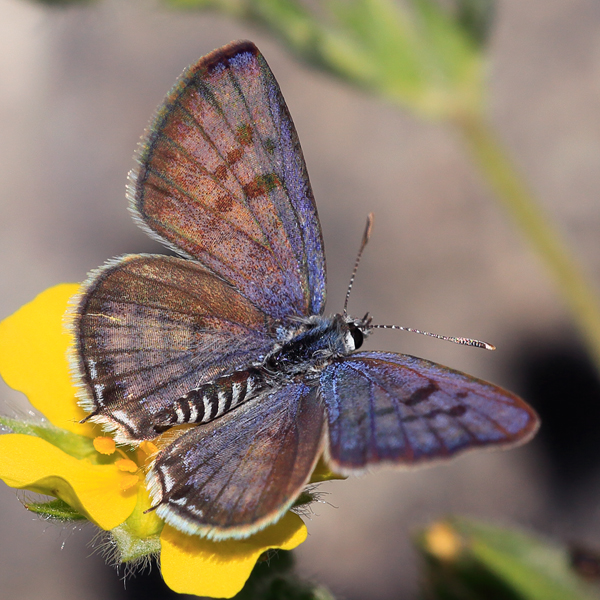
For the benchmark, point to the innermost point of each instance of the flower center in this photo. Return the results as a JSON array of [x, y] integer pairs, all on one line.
[[130, 468]]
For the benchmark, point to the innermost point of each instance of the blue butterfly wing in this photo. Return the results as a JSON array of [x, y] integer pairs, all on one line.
[[222, 179], [395, 408], [234, 476], [148, 329]]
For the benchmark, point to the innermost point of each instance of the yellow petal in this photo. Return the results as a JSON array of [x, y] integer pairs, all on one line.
[[322, 472], [194, 565], [31, 463], [128, 481], [33, 349], [144, 523]]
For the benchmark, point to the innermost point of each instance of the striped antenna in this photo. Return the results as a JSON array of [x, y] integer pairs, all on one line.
[[365, 239], [457, 340]]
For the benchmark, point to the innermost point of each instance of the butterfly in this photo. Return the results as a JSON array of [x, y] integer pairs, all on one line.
[[230, 339]]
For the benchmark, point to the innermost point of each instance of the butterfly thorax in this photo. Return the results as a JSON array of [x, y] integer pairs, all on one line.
[[318, 341]]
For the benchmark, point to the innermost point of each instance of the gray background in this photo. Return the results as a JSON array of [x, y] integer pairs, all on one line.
[[77, 87]]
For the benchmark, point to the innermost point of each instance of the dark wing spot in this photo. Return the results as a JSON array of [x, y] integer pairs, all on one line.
[[221, 172], [262, 185], [457, 411], [461, 395], [270, 181], [244, 134], [270, 145], [234, 156], [253, 189], [412, 418], [422, 394], [381, 412]]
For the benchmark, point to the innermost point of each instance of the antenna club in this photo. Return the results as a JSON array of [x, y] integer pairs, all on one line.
[[476, 343], [368, 229]]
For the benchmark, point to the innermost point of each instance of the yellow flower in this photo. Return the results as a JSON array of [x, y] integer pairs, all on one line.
[[79, 465]]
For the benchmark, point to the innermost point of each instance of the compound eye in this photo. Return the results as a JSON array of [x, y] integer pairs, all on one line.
[[357, 336]]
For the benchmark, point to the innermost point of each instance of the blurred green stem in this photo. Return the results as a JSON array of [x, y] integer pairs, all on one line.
[[496, 166]]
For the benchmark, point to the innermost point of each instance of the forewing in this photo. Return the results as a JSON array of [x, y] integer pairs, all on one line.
[[150, 328], [239, 473], [394, 408], [222, 179]]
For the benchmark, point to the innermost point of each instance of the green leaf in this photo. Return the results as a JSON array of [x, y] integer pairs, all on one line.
[[55, 509], [471, 560], [75, 445]]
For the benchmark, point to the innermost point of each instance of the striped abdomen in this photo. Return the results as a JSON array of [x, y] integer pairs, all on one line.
[[209, 401]]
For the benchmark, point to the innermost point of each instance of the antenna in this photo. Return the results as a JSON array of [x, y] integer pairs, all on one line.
[[363, 243], [366, 325], [457, 340]]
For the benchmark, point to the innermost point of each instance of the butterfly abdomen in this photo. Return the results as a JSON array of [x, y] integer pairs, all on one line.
[[209, 401]]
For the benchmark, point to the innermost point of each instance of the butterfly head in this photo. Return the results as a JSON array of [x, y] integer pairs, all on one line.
[[355, 331]]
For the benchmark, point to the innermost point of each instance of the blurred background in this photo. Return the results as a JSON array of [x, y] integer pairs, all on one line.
[[78, 85]]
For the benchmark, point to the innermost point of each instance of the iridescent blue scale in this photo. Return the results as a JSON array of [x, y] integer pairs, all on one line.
[[230, 337]]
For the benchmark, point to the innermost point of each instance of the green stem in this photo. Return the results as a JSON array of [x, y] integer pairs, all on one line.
[[511, 190]]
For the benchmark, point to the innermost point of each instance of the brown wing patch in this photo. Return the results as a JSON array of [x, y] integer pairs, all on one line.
[[262, 185], [224, 203], [244, 134], [221, 173], [234, 156]]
